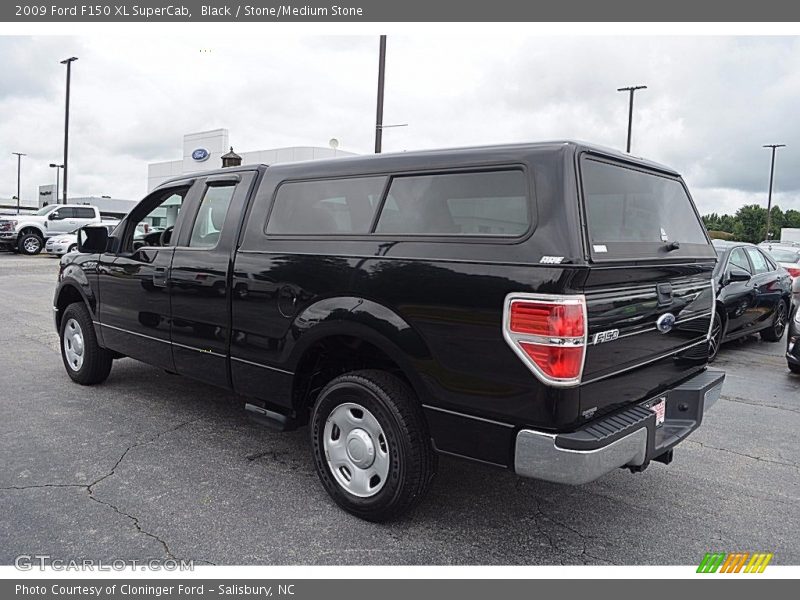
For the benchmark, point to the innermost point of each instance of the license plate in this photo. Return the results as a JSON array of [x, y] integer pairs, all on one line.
[[659, 407]]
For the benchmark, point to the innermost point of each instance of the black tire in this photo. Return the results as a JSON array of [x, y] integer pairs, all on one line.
[[794, 368], [95, 362], [30, 244], [774, 333], [715, 341], [411, 459]]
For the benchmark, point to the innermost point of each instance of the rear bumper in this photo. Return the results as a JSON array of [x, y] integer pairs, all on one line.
[[626, 438]]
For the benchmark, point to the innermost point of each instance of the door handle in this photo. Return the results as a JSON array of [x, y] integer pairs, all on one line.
[[160, 277]]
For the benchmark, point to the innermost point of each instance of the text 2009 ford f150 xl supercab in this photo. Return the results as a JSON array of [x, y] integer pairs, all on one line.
[[541, 307]]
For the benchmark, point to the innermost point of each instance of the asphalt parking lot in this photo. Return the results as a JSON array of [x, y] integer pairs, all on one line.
[[150, 465]]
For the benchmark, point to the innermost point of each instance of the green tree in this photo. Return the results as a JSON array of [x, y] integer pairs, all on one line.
[[751, 223]]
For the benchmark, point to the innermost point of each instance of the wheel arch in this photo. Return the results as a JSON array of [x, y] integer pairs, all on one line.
[[338, 335], [68, 292]]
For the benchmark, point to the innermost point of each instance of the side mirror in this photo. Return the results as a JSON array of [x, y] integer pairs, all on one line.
[[92, 239], [737, 274], [53, 216]]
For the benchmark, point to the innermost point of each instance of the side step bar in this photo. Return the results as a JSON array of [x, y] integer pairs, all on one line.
[[268, 418]]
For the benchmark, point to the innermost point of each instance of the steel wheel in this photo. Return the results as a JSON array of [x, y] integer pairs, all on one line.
[[73, 344], [356, 450]]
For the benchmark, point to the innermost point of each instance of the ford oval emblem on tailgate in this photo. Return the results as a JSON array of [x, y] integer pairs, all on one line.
[[665, 322]]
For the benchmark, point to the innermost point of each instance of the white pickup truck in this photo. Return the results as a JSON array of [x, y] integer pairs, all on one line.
[[27, 233]]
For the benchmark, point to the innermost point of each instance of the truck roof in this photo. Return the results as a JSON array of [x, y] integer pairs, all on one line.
[[475, 154]]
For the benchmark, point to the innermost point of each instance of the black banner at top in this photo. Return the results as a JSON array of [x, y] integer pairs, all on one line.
[[400, 11]]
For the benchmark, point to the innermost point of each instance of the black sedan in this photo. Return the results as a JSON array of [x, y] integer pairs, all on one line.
[[793, 339], [753, 295]]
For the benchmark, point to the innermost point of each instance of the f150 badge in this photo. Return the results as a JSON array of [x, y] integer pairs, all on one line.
[[665, 322], [605, 336]]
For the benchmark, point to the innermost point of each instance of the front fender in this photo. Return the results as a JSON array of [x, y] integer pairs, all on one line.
[[73, 279]]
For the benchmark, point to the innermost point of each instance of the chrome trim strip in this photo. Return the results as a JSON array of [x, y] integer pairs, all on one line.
[[651, 360], [255, 364], [537, 455], [459, 414], [200, 350], [149, 337]]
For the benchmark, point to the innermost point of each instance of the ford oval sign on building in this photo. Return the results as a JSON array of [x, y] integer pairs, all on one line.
[[200, 154]]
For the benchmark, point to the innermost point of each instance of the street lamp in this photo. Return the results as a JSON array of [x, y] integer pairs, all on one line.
[[58, 172], [631, 90], [381, 78], [771, 178], [68, 62], [19, 156]]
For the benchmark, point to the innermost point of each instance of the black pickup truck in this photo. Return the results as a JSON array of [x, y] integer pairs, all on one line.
[[544, 308]]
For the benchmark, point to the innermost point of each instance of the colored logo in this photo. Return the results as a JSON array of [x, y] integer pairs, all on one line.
[[665, 322], [737, 562], [200, 154]]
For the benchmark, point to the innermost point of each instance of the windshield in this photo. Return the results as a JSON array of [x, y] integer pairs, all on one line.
[[45, 209], [785, 256]]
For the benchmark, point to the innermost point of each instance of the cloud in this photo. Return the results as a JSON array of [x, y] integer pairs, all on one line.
[[711, 102]]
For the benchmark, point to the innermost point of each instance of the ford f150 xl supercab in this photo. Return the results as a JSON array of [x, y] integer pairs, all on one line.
[[544, 308]]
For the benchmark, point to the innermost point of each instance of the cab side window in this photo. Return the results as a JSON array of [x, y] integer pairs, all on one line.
[[760, 264], [211, 216], [154, 219], [739, 259]]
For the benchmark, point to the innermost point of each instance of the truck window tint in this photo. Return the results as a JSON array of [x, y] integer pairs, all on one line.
[[491, 203], [84, 213], [738, 259], [211, 216], [626, 205], [334, 206]]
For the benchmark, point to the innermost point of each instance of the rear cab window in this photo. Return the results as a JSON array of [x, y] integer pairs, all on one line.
[[634, 213]]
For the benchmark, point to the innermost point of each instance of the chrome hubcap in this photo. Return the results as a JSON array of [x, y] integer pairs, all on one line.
[[356, 450], [31, 244], [73, 345]]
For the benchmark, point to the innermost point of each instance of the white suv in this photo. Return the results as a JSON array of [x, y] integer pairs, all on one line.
[[27, 233]]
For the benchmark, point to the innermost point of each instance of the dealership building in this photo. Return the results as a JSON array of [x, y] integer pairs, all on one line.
[[204, 150]]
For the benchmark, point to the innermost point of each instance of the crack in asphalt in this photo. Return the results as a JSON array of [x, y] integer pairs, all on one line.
[[91, 491], [742, 454], [553, 544], [740, 400]]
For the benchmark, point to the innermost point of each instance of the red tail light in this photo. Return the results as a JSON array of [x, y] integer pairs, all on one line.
[[793, 271], [549, 334]]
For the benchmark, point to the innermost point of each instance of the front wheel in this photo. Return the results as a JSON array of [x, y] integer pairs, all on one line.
[[86, 362], [774, 332], [31, 243], [371, 446]]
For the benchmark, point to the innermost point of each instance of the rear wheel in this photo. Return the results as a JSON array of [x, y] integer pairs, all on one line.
[[371, 446], [30, 243], [774, 333], [86, 362], [715, 340]]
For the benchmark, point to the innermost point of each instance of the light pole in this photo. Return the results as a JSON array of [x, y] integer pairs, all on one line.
[[58, 172], [631, 90], [19, 156], [771, 178], [381, 78], [68, 62]]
